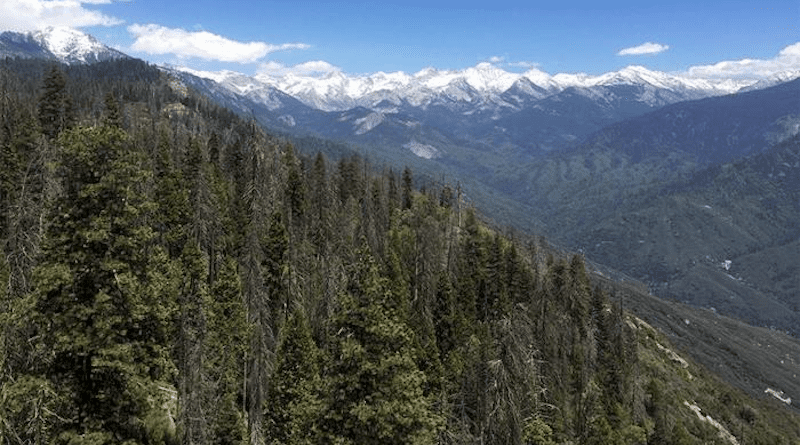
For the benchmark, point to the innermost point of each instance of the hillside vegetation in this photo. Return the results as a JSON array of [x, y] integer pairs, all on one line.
[[176, 275]]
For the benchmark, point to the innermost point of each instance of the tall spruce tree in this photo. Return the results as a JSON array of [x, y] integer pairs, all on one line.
[[102, 300], [227, 347], [375, 387], [55, 105], [295, 404]]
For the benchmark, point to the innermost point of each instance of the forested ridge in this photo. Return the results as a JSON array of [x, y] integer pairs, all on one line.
[[173, 274]]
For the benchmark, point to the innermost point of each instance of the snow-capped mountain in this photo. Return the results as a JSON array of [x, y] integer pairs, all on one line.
[[482, 106], [236, 84], [337, 91], [61, 44], [484, 82]]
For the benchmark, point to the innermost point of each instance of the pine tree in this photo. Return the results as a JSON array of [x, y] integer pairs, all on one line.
[[55, 105], [320, 197], [102, 299], [172, 196], [295, 190], [227, 347], [275, 267], [295, 403], [375, 388], [190, 354], [408, 185], [113, 115]]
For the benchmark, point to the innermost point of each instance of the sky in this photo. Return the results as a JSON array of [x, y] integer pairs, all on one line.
[[723, 38]]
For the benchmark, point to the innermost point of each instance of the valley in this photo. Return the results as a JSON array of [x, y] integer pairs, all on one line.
[[614, 170]]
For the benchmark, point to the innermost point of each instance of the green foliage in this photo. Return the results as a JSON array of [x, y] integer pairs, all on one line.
[[226, 350], [221, 292], [375, 387], [55, 104], [408, 185], [28, 410], [295, 190], [95, 301], [295, 405], [113, 114], [537, 432]]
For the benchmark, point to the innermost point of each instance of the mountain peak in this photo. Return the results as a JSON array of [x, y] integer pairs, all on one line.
[[67, 45], [486, 77]]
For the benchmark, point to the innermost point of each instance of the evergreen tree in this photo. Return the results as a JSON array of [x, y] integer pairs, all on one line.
[[320, 197], [172, 196], [295, 405], [275, 266], [55, 105], [191, 355], [374, 385], [295, 189], [227, 347], [102, 301], [408, 185], [113, 115]]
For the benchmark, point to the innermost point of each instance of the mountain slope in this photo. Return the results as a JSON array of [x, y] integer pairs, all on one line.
[[727, 239], [474, 336], [626, 164], [710, 131]]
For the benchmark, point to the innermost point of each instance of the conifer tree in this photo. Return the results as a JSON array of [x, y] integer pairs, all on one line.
[[295, 190], [375, 388], [190, 344], [113, 115], [320, 196], [55, 105], [102, 299], [408, 185], [275, 266], [295, 404], [227, 347], [172, 196]]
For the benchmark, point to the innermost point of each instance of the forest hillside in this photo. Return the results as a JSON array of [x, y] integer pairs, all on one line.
[[174, 275]]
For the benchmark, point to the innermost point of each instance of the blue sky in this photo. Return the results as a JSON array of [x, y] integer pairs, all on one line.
[[359, 37]]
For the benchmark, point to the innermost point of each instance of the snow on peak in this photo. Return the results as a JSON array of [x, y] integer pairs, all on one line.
[[334, 90], [485, 77], [70, 45]]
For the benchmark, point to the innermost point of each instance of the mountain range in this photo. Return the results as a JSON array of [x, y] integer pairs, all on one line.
[[688, 186], [579, 159], [481, 111], [482, 85]]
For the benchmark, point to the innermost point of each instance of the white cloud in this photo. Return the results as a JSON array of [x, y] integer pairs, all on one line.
[[160, 40], [311, 68], [32, 15], [526, 65], [786, 60], [503, 63], [644, 48]]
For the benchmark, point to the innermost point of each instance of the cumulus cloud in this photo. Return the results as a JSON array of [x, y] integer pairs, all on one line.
[[32, 15], [160, 40], [786, 60], [643, 49], [312, 68], [496, 60]]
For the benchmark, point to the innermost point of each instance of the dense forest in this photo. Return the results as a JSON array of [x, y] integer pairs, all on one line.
[[173, 274]]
